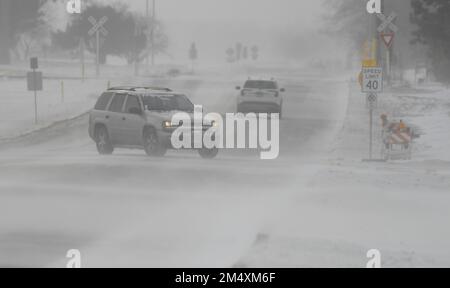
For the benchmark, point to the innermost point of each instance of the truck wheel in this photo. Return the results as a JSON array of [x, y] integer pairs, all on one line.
[[208, 153], [104, 145], [151, 144]]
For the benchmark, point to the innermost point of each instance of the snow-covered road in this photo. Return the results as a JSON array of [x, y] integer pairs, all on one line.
[[129, 210]]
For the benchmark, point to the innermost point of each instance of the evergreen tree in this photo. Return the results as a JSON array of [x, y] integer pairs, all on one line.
[[432, 18]]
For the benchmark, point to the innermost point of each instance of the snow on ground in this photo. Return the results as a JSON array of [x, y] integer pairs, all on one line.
[[349, 207], [130, 210], [56, 104], [322, 206], [17, 104], [428, 109]]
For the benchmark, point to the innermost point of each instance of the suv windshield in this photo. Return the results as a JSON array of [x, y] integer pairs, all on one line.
[[168, 103], [252, 84]]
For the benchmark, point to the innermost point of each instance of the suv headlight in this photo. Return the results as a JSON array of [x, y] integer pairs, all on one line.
[[167, 124]]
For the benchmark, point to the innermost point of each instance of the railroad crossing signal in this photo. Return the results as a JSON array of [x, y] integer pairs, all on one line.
[[387, 22], [98, 26], [97, 29], [387, 30]]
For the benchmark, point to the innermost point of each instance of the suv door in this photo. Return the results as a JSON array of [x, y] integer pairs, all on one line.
[[99, 113], [134, 121], [116, 115]]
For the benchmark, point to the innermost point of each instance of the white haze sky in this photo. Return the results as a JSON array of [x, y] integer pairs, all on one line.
[[216, 25], [277, 13]]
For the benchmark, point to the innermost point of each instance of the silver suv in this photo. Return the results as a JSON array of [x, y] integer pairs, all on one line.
[[137, 117], [260, 96]]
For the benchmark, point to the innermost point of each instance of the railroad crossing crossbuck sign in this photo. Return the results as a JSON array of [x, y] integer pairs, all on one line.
[[372, 81], [96, 30], [387, 23], [98, 26]]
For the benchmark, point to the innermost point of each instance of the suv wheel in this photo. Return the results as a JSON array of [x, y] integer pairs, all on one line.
[[151, 144], [104, 145], [208, 153]]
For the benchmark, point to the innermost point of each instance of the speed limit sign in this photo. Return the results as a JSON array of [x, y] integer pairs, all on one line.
[[372, 81]]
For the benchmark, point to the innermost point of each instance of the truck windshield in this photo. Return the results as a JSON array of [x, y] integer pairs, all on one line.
[[168, 103]]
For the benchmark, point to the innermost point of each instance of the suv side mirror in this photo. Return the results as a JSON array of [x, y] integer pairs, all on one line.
[[135, 111], [238, 88], [282, 90]]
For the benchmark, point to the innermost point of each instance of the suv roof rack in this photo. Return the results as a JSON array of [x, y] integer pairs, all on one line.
[[250, 78], [136, 88]]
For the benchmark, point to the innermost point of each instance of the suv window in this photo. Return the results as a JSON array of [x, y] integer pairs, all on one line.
[[117, 103], [103, 101], [168, 102], [132, 102], [253, 84]]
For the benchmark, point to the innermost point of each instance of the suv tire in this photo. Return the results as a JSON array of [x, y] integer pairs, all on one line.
[[151, 144], [206, 153], [104, 145]]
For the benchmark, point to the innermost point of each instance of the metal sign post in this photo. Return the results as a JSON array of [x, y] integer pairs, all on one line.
[[35, 97], [97, 29], [387, 30], [372, 99], [372, 83], [82, 59], [371, 134], [34, 83], [388, 39]]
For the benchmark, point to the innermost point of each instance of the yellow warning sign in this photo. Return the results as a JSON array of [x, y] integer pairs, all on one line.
[[369, 63], [369, 53]]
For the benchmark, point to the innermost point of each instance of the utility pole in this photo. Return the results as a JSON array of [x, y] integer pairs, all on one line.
[[150, 30], [147, 17], [97, 58], [153, 32]]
